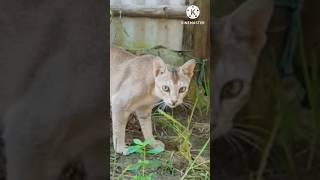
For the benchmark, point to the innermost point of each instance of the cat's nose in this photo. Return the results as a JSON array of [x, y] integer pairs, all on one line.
[[174, 102]]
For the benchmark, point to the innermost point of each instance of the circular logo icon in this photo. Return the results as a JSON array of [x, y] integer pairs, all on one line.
[[193, 12]]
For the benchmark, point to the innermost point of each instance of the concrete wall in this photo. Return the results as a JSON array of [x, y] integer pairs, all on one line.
[[147, 32]]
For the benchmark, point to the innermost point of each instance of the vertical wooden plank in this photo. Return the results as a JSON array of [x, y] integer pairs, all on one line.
[[188, 30], [201, 32]]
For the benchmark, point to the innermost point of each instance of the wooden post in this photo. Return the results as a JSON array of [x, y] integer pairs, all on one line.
[[201, 38]]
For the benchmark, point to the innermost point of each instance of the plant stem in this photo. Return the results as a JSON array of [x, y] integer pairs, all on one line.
[[194, 161], [267, 150], [144, 159]]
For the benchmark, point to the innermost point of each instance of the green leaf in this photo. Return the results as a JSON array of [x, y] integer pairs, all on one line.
[[144, 163], [137, 141], [150, 164], [136, 177], [156, 150], [134, 167], [134, 149], [147, 142], [149, 177]]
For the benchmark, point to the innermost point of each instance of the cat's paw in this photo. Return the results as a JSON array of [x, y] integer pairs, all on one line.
[[122, 150], [157, 144]]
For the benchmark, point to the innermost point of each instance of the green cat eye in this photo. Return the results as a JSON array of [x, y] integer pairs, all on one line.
[[182, 89], [165, 88]]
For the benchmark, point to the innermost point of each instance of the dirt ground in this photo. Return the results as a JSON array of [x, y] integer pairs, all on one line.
[[170, 156]]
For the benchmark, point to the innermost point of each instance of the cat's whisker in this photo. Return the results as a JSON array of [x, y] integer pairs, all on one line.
[[227, 139], [188, 101], [237, 144], [160, 107], [185, 110], [252, 128], [188, 106], [158, 103], [250, 135], [234, 144], [245, 138], [163, 106]]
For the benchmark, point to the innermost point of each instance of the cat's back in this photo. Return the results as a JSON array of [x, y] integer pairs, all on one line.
[[124, 62], [127, 68], [119, 56]]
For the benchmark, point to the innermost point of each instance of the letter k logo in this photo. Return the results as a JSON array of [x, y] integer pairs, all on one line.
[[193, 12]]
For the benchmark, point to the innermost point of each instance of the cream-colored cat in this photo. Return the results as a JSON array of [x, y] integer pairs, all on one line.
[[239, 40], [137, 84]]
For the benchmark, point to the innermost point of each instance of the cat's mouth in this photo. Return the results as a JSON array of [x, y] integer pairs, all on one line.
[[164, 104], [171, 105]]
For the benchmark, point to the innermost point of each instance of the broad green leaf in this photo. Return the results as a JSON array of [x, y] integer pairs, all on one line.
[[134, 167], [134, 149], [144, 163], [136, 177], [156, 150], [137, 141], [147, 142], [149, 177]]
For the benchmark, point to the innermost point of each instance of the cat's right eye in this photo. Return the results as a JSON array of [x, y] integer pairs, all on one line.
[[182, 89], [165, 88], [232, 89]]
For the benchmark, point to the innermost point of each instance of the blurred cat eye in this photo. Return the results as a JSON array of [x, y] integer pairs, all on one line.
[[182, 89], [232, 89], [165, 88]]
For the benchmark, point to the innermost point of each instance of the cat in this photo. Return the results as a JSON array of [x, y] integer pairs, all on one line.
[[238, 41], [137, 84]]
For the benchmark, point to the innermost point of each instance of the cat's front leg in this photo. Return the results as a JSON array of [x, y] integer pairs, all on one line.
[[144, 116], [119, 122]]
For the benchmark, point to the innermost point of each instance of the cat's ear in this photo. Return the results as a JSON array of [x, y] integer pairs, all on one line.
[[188, 67], [159, 66], [250, 22]]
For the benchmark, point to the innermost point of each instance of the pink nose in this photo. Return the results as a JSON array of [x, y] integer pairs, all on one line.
[[174, 102]]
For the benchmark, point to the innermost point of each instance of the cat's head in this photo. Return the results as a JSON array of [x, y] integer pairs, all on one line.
[[172, 83], [239, 39]]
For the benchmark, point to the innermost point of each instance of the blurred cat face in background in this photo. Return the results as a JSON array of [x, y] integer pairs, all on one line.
[[239, 39]]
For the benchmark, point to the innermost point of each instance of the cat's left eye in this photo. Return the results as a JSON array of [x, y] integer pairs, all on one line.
[[165, 88], [182, 89], [232, 89]]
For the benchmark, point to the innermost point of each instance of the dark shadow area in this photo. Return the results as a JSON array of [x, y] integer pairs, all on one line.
[[266, 104], [53, 90]]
